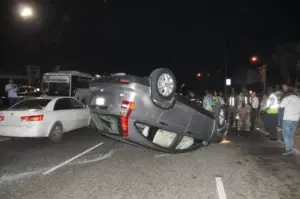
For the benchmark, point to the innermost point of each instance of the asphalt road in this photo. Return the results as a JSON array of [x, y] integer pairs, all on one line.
[[88, 165]]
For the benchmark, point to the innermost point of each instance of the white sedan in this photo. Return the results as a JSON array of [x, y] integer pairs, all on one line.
[[44, 117]]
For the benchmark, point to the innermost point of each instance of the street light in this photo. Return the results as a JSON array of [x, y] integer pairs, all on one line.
[[198, 74], [254, 59], [26, 12]]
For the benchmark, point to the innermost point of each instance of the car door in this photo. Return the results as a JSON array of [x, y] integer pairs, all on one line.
[[82, 113], [65, 114]]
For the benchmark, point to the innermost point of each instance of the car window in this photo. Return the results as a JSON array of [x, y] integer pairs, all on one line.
[[31, 104], [75, 104], [62, 104]]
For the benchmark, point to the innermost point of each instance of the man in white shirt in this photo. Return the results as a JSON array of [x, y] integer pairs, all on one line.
[[291, 116], [12, 94], [254, 111]]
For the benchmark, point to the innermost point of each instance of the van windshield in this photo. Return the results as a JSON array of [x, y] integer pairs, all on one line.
[[56, 89]]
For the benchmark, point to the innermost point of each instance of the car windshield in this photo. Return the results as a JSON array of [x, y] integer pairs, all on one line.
[[31, 104], [56, 89]]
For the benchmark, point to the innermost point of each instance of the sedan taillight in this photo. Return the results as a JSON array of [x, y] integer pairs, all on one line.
[[1, 118], [124, 81], [126, 109], [32, 118]]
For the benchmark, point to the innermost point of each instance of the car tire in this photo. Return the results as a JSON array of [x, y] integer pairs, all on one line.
[[220, 117], [56, 132], [220, 122], [162, 98]]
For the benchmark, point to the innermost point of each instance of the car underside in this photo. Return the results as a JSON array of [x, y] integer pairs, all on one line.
[[124, 108]]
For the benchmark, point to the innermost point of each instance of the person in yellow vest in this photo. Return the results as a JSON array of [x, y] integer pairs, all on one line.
[[216, 98], [271, 111], [208, 103]]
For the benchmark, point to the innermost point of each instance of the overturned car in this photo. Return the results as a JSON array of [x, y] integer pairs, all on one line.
[[146, 111]]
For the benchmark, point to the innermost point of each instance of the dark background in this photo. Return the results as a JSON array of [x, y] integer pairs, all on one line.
[[138, 36]]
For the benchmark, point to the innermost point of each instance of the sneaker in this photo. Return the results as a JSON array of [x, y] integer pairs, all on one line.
[[287, 153]]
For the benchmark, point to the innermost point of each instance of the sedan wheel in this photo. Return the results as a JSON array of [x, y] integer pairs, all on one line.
[[56, 133]]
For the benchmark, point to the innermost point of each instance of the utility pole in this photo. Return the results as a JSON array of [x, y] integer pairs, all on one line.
[[225, 67]]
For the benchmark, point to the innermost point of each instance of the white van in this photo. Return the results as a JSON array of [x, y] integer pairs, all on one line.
[[68, 83]]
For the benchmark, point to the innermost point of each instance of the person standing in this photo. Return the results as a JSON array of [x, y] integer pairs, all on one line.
[[243, 117], [221, 97], [271, 111], [291, 116], [208, 103], [216, 98], [12, 94], [254, 110], [231, 109]]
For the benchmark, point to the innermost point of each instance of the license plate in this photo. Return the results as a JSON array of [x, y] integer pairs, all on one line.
[[100, 101]]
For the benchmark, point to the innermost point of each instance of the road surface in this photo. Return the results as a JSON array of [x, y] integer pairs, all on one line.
[[87, 165]]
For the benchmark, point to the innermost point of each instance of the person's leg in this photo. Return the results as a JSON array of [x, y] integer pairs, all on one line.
[[253, 118], [272, 128], [288, 134], [10, 101], [229, 116], [267, 122]]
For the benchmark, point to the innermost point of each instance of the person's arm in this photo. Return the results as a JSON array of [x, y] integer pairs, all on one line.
[[283, 103], [256, 103], [8, 87]]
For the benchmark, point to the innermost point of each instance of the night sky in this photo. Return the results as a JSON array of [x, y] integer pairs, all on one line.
[[138, 36]]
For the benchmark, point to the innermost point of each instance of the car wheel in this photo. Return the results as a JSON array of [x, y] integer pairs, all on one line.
[[220, 117], [56, 132], [163, 88]]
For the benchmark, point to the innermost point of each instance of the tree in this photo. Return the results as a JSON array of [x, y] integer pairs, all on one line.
[[287, 59]]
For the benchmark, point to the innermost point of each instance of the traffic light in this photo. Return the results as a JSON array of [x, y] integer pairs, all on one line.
[[198, 75]]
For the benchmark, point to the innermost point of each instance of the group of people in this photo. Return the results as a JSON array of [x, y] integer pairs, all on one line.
[[212, 100], [242, 110], [279, 109], [281, 112]]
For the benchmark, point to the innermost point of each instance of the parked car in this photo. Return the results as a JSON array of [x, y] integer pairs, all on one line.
[[146, 111], [44, 117]]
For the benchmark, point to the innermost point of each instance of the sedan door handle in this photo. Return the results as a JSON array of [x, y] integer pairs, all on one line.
[[163, 123]]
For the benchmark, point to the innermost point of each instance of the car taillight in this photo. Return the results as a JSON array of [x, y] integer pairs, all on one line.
[[1, 118], [32, 118], [124, 81], [126, 109]]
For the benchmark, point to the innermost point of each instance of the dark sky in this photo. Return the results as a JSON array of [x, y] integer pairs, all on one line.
[[137, 36]]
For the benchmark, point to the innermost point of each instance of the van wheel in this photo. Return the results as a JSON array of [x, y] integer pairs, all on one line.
[[163, 87], [56, 132]]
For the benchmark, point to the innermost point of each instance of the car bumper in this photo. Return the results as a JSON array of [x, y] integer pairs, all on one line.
[[23, 131]]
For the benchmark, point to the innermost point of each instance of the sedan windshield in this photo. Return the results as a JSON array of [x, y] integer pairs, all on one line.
[[31, 104]]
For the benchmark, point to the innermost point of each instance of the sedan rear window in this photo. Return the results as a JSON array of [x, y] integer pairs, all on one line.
[[31, 104]]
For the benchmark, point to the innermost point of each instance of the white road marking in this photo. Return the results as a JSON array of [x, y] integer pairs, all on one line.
[[4, 139], [161, 155], [6, 178], [220, 188], [100, 158], [71, 159]]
